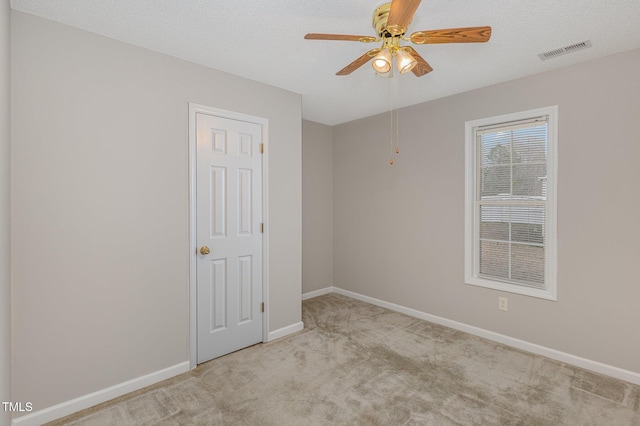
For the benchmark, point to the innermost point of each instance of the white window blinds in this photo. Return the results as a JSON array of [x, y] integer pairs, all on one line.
[[511, 173]]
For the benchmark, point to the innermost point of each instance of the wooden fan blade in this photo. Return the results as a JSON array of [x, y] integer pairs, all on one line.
[[344, 37], [422, 67], [358, 62], [452, 35], [400, 15]]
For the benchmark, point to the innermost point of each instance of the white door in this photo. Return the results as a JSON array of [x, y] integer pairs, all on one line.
[[228, 234]]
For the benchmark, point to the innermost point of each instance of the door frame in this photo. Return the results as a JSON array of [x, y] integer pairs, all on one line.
[[264, 123]]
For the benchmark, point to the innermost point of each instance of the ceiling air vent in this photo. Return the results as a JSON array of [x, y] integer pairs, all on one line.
[[564, 50]]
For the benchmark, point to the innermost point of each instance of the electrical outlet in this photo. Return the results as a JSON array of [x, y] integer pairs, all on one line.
[[503, 303]]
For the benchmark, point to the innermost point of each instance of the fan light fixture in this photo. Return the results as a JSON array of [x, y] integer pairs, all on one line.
[[404, 61], [382, 61]]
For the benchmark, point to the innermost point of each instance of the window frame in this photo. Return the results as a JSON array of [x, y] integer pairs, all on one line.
[[472, 235]]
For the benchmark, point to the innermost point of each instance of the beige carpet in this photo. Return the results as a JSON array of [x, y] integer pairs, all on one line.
[[358, 364]]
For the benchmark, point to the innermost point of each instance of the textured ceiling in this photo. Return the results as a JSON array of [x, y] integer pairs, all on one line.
[[263, 41]]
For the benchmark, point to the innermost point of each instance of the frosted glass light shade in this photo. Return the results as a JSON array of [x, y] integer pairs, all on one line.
[[382, 61], [405, 61]]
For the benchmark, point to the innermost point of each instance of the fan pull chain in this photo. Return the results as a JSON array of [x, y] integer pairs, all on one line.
[[397, 117], [391, 124], [394, 105]]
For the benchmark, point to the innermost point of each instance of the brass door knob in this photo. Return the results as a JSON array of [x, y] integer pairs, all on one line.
[[204, 250]]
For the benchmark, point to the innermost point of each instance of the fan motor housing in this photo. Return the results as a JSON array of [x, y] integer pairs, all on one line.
[[380, 17]]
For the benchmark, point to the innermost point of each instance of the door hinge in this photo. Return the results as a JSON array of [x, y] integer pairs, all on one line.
[[262, 228], [262, 307], [261, 148]]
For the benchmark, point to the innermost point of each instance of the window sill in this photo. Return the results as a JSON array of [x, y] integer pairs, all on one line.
[[547, 294]]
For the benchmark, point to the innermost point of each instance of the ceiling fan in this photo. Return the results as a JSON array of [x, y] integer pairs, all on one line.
[[391, 22]]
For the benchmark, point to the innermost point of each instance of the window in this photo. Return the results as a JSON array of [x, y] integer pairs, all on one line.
[[510, 230]]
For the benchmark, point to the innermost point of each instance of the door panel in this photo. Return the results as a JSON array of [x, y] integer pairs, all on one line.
[[218, 197], [218, 294], [229, 213]]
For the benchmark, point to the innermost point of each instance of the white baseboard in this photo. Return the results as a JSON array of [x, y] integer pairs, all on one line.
[[595, 366], [63, 409], [317, 293], [285, 331]]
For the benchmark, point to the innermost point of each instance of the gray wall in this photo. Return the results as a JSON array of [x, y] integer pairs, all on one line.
[[317, 206], [100, 206], [5, 230], [399, 231]]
